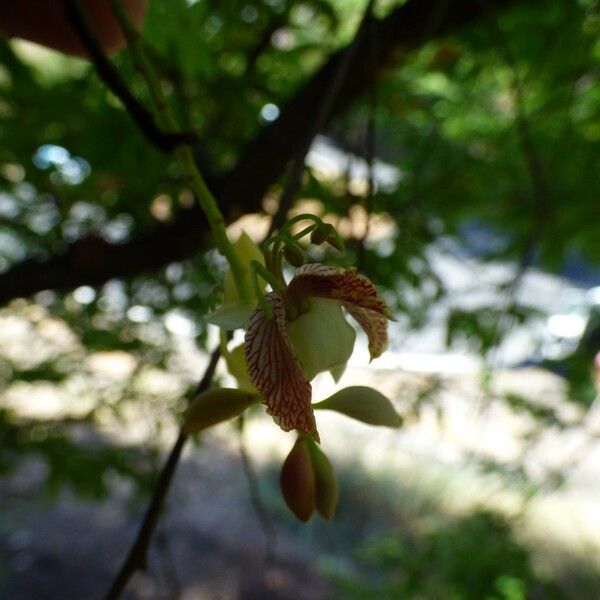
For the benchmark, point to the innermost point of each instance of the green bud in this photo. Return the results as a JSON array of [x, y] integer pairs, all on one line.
[[334, 239], [236, 365], [215, 406], [327, 485], [294, 254], [298, 481], [321, 233]]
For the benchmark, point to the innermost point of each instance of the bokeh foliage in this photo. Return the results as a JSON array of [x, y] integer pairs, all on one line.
[[494, 130]]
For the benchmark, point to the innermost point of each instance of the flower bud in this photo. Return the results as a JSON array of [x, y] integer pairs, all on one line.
[[334, 239], [298, 482], [321, 233], [327, 485], [294, 254], [215, 406], [247, 251]]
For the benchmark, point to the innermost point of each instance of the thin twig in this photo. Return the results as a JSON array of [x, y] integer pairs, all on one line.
[[262, 515], [137, 556], [540, 189], [370, 150], [533, 164], [163, 140], [329, 98]]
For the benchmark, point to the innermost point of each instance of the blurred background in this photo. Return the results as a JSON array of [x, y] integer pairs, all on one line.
[[456, 147]]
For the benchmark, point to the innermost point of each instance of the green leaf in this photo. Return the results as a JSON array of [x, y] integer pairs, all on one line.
[[216, 406], [363, 404], [230, 316]]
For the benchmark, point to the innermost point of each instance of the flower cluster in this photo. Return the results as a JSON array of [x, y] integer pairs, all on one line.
[[308, 334], [293, 332]]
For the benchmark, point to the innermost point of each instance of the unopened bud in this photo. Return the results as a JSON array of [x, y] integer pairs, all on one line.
[[334, 239], [327, 485], [321, 233], [215, 406], [298, 482], [294, 254]]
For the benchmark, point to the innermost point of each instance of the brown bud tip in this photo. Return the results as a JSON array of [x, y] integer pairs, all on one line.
[[297, 481], [334, 239], [294, 255], [321, 233]]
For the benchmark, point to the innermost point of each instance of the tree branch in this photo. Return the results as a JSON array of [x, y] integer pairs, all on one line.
[[323, 112], [164, 141], [260, 164], [137, 556]]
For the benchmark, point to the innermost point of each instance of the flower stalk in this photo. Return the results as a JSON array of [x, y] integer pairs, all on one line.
[[183, 152]]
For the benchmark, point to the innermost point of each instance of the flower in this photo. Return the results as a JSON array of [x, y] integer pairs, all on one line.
[[307, 334]]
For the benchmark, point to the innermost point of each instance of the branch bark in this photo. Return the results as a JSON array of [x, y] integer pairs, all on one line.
[[136, 558], [92, 261], [165, 141]]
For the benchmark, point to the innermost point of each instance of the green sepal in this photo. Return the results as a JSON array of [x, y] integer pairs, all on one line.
[[363, 404], [230, 316], [236, 365], [215, 406], [247, 251], [327, 486]]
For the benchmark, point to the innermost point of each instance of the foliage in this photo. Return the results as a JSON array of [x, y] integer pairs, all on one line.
[[473, 557], [491, 131]]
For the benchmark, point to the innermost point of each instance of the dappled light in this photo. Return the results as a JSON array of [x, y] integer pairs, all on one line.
[[300, 300]]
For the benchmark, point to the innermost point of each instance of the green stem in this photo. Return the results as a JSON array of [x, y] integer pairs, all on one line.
[[270, 278], [184, 152], [305, 231], [302, 217], [260, 297]]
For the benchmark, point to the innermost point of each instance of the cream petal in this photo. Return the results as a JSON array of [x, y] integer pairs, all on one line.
[[274, 370], [321, 338]]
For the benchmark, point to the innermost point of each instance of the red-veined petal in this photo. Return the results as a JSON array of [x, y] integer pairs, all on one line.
[[274, 370], [355, 292], [375, 326]]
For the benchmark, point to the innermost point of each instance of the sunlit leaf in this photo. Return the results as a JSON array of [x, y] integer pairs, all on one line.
[[363, 404]]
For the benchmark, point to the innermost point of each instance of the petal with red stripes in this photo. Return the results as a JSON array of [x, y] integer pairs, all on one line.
[[274, 370]]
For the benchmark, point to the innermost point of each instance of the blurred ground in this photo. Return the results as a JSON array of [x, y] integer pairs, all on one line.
[[454, 457], [490, 489]]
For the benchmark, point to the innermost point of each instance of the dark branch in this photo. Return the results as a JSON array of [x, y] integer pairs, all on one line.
[[326, 103], [260, 164], [164, 141], [137, 555]]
